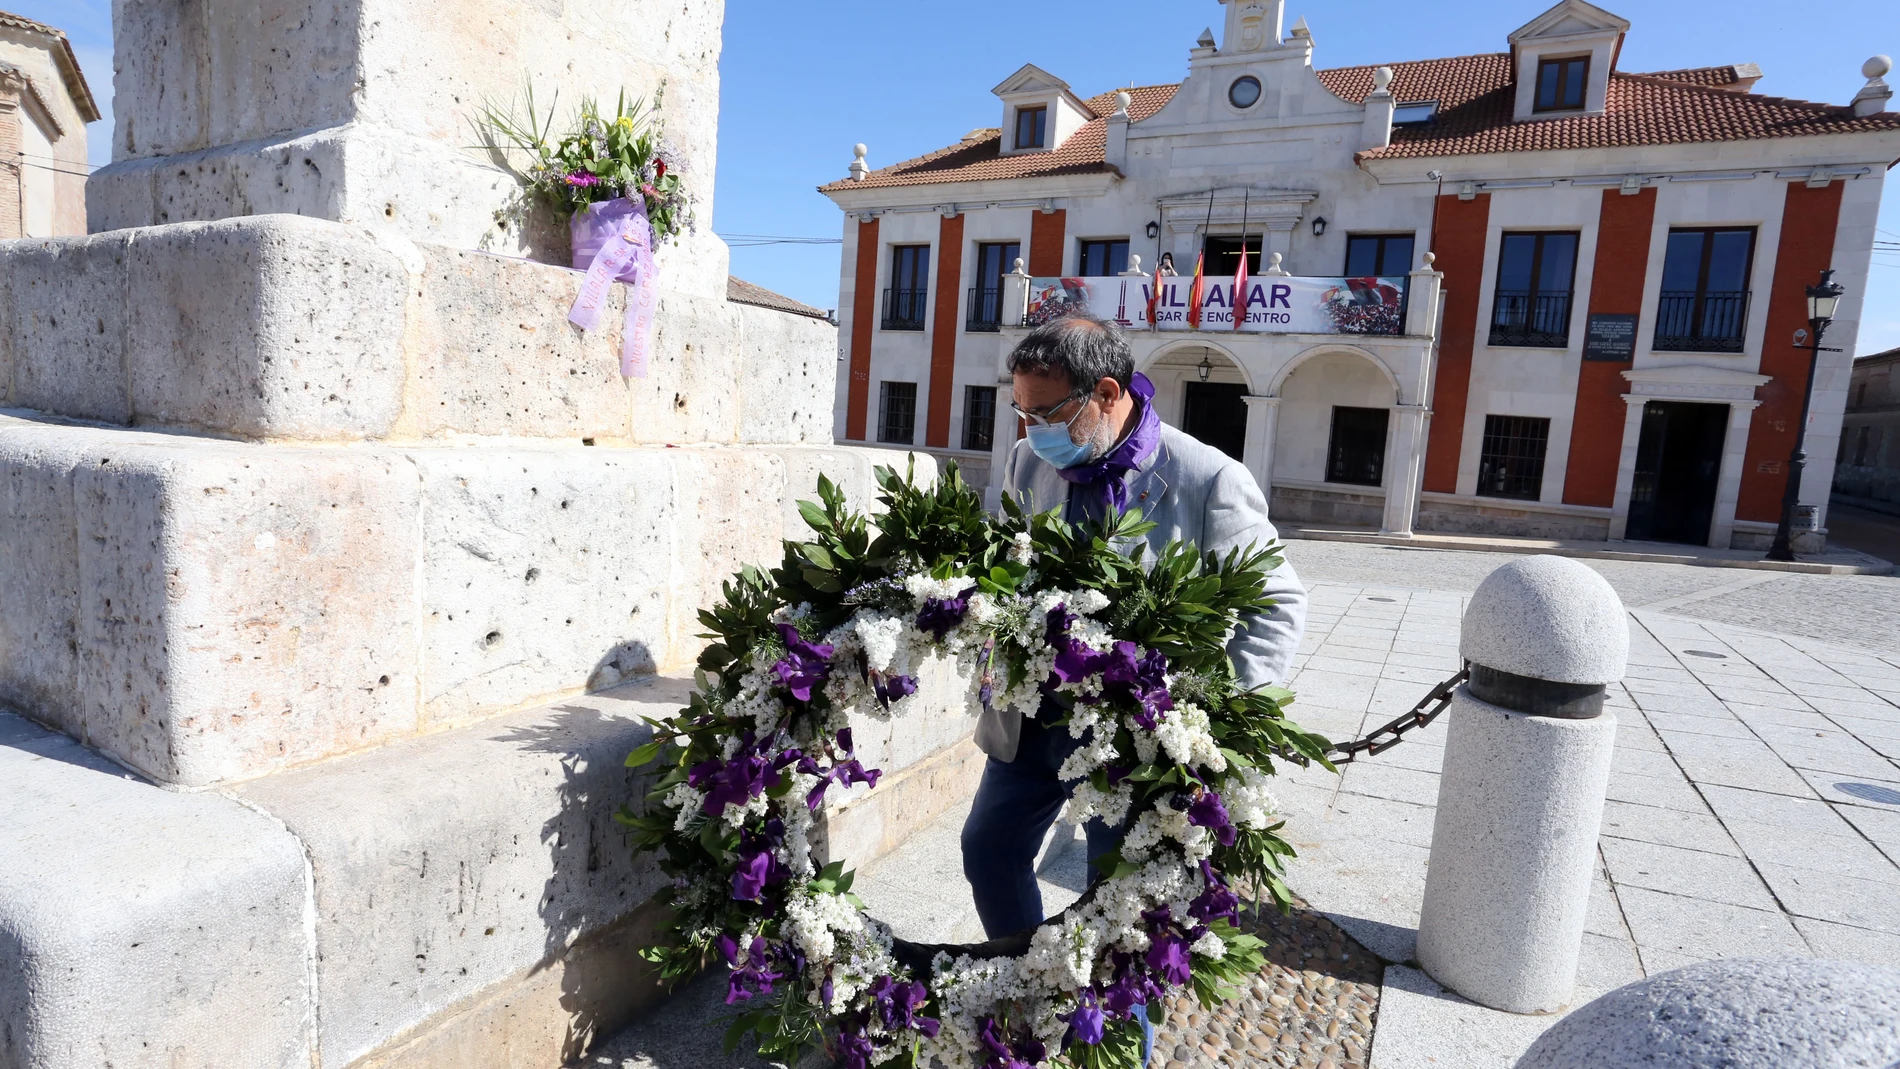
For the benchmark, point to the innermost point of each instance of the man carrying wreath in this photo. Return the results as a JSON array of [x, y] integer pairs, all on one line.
[[1096, 443]]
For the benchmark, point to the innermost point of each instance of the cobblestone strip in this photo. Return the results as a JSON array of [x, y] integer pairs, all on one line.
[[1313, 1006]]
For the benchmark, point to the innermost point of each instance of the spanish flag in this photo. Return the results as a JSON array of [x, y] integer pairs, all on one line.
[[1194, 291]]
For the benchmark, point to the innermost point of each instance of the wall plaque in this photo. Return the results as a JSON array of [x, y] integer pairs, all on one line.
[[1610, 336]]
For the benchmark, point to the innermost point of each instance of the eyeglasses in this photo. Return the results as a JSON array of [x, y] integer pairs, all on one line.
[[1043, 417]]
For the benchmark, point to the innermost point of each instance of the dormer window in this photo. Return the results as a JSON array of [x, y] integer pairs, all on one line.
[[1561, 83], [1032, 125]]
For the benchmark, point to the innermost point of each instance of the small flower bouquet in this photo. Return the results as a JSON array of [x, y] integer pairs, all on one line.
[[601, 159]]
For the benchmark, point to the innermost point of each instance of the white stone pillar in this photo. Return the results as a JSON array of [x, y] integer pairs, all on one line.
[[1404, 460], [1015, 296], [1257, 452], [1728, 480], [1421, 299], [1520, 798]]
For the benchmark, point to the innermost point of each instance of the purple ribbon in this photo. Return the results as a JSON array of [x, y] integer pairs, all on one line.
[[613, 242], [1108, 476]]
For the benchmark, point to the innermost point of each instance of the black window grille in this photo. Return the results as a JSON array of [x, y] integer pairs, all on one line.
[[1512, 461], [897, 413], [1561, 83], [1532, 304], [994, 259], [1097, 258], [1355, 454], [909, 291], [1703, 305], [979, 417]]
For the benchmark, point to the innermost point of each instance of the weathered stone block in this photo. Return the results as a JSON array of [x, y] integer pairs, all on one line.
[[787, 377], [39, 575], [450, 863], [143, 928], [498, 356], [68, 325], [690, 394], [545, 571], [244, 608], [272, 326], [730, 502]]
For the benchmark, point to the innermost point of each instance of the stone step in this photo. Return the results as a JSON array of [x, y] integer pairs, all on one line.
[[283, 328], [460, 898], [209, 611]]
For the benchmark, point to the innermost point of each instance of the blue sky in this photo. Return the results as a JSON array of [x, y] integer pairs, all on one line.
[[801, 82]]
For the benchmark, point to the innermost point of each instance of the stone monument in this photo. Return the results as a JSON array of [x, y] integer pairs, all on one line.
[[337, 568]]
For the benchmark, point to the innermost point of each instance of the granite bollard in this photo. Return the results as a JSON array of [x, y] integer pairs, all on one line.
[[1520, 801], [1741, 1014]]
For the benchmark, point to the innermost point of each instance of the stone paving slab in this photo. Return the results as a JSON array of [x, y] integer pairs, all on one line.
[[1748, 816]]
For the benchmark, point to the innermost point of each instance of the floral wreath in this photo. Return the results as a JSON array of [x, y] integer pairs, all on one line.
[[1025, 608]]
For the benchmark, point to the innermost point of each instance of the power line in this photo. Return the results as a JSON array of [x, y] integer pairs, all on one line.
[[746, 241]]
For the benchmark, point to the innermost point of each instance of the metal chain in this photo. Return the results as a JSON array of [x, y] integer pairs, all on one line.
[[1376, 741]]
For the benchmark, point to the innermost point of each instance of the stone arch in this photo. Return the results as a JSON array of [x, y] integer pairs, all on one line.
[[1169, 348], [1327, 349]]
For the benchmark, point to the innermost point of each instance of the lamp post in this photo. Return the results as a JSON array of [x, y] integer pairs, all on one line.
[[1822, 298]]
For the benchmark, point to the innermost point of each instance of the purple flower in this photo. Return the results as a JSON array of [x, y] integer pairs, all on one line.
[[1131, 987], [854, 1049], [759, 865], [892, 688], [805, 664], [1208, 812], [897, 1004], [1087, 1024], [1143, 681], [751, 973], [845, 773], [1009, 1051], [1217, 900], [733, 782], [1055, 630], [581, 179], [1168, 956], [939, 615]]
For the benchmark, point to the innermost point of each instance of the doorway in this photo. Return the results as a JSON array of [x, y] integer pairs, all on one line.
[[1216, 413], [1678, 460]]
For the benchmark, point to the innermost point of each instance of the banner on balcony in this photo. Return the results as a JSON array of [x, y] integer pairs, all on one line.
[[1274, 304]]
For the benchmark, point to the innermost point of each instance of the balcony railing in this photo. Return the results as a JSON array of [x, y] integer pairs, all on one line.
[[904, 308], [986, 307], [1702, 322], [1539, 319]]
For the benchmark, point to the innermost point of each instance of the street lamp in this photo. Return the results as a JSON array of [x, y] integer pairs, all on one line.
[[1822, 297], [1205, 368]]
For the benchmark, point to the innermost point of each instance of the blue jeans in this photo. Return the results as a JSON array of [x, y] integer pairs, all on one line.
[[1014, 807]]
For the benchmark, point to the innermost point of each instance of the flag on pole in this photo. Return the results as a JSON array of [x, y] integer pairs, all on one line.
[[1154, 299], [1240, 286], [1194, 291]]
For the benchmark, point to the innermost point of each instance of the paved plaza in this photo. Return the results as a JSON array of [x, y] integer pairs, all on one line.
[[1754, 801], [1754, 811]]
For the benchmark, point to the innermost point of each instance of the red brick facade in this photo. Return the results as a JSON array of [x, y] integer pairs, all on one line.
[[863, 316], [1458, 244], [943, 331], [1616, 287], [1808, 219]]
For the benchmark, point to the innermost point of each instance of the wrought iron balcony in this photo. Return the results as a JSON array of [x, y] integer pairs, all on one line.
[[1708, 321], [904, 308], [1532, 319], [986, 307]]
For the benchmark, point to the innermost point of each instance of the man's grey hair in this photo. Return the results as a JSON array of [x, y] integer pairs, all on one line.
[[1081, 347]]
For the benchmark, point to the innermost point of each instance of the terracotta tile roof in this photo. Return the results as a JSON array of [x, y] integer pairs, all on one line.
[[63, 56], [1475, 101], [739, 291], [979, 156]]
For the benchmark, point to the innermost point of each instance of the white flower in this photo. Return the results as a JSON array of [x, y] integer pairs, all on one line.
[[1185, 735], [1021, 547], [1210, 947], [1248, 800]]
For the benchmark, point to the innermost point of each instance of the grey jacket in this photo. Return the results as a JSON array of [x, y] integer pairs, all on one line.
[[1195, 493]]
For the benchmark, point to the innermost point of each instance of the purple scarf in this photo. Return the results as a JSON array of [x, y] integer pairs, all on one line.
[[1109, 475]]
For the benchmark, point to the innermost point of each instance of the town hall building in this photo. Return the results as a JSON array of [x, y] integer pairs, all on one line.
[[1554, 297]]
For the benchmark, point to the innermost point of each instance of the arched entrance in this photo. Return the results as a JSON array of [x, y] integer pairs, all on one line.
[[1201, 389], [1345, 446]]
